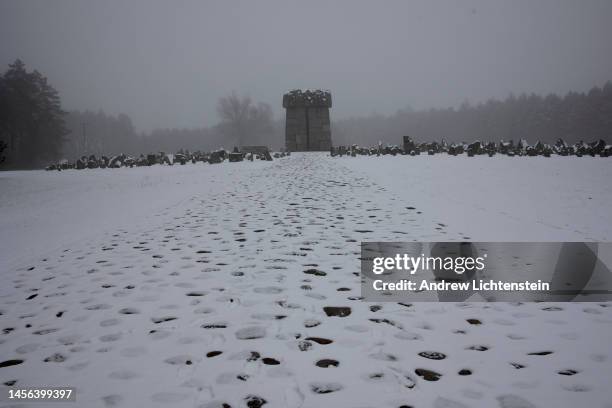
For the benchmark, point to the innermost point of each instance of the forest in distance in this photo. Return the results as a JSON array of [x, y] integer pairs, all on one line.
[[35, 129]]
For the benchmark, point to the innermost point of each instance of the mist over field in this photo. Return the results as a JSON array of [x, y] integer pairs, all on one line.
[[143, 76]]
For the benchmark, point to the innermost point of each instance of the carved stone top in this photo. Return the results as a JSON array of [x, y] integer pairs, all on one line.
[[308, 98]]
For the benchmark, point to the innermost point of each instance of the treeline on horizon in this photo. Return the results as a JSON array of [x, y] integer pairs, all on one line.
[[104, 134], [573, 117], [34, 130], [241, 122]]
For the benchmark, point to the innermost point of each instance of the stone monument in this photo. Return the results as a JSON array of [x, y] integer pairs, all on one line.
[[307, 126]]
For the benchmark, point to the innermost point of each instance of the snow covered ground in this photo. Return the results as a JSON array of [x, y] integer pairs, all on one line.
[[203, 285]]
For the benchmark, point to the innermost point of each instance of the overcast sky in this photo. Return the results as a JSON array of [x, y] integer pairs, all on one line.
[[165, 63]]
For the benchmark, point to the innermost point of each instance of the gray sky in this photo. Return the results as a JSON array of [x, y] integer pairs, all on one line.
[[165, 63]]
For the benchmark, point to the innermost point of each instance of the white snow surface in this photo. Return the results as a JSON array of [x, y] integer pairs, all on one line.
[[184, 286]]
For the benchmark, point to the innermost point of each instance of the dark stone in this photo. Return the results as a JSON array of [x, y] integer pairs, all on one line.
[[478, 348], [540, 353], [9, 363], [235, 157], [427, 375], [314, 272], [432, 355], [327, 362], [270, 361], [253, 401], [337, 311], [319, 340]]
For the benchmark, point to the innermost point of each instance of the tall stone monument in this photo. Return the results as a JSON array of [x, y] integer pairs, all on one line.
[[307, 127]]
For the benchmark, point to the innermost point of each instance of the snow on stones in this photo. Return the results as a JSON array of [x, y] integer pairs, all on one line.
[[251, 332], [226, 314]]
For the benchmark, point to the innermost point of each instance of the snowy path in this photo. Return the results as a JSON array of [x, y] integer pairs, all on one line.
[[220, 297]]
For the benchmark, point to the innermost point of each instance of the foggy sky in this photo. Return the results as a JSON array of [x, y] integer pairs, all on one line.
[[165, 63]]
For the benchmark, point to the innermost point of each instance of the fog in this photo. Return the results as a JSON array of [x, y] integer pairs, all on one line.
[[165, 64]]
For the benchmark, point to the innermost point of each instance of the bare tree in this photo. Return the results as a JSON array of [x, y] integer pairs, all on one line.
[[233, 111], [242, 120]]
